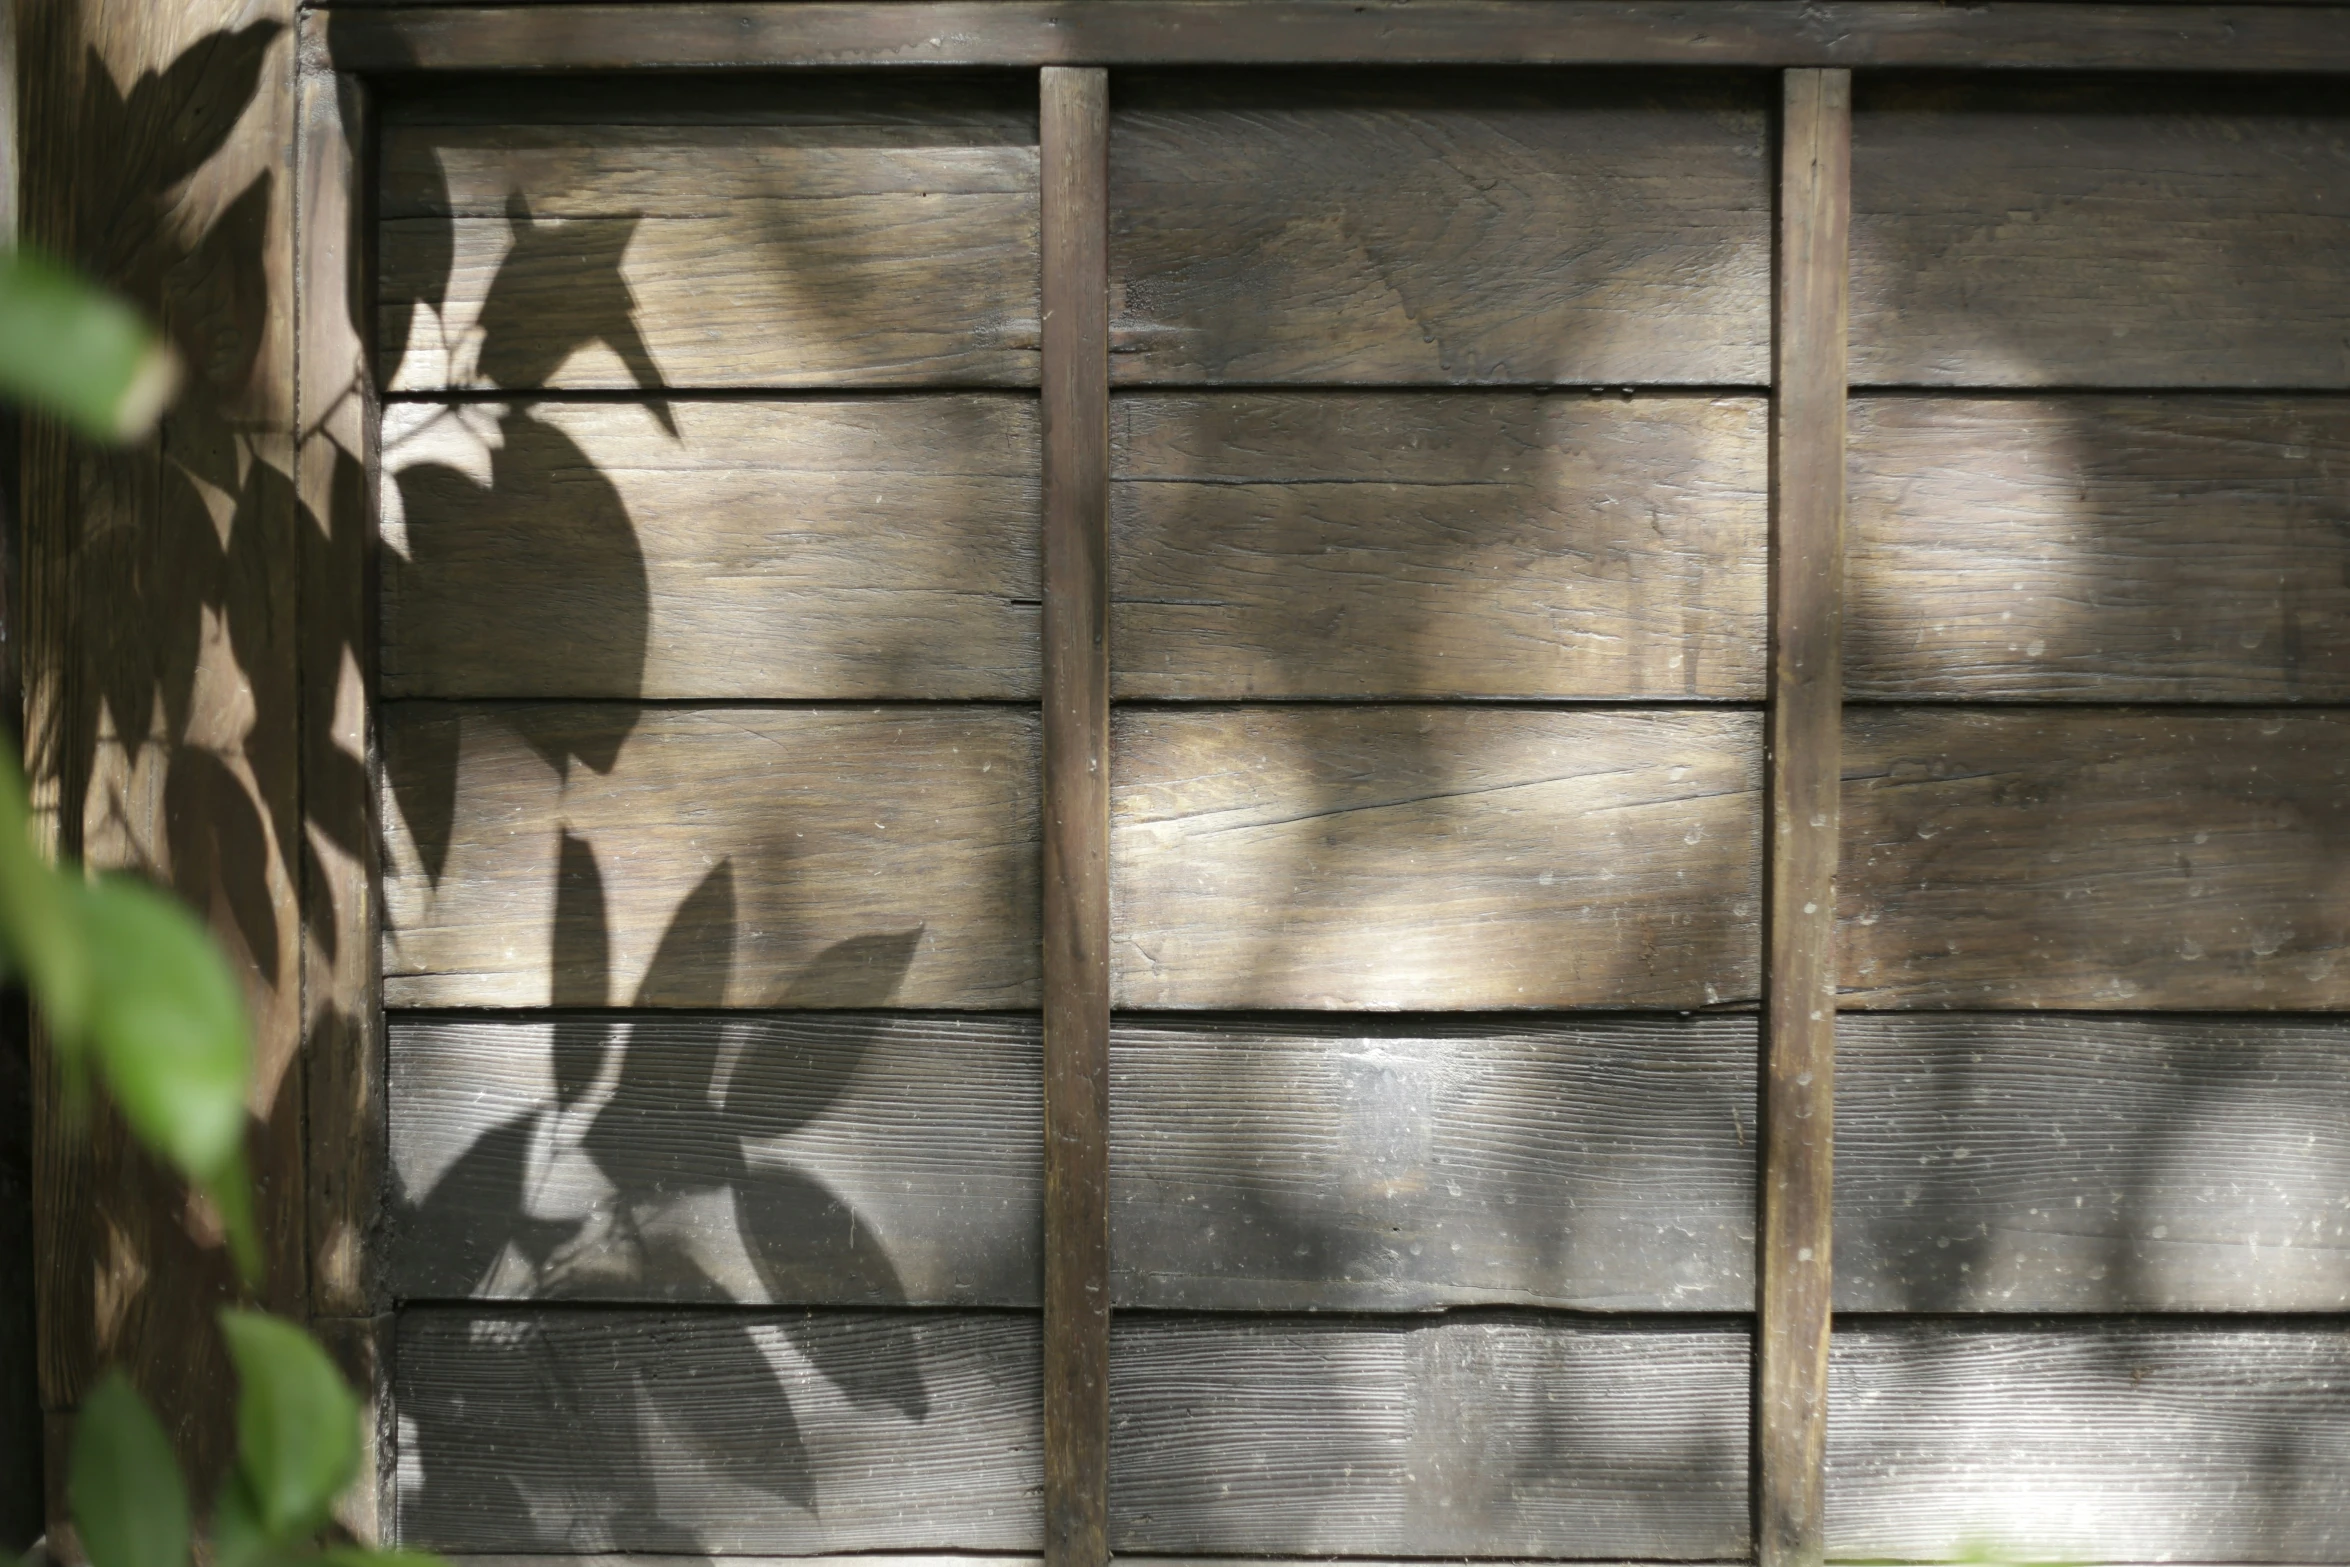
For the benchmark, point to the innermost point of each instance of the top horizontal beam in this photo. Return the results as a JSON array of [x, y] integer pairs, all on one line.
[[1997, 34]]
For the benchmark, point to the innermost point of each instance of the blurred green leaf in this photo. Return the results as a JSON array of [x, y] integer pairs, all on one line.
[[40, 920], [128, 1503], [361, 1556], [71, 349], [297, 1424], [238, 1538]]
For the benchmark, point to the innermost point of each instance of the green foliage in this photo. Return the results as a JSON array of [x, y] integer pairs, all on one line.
[[128, 1503], [297, 1425], [69, 348]]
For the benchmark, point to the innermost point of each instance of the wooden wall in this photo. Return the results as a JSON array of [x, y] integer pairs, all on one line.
[[1439, 577]]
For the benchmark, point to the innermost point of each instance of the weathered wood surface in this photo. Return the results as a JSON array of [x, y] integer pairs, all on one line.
[[1255, 1166], [1416, 544], [1424, 230], [1429, 857], [745, 1432], [588, 854], [1480, 1437], [713, 1433], [2099, 549], [861, 246], [2100, 234], [1074, 145], [1776, 33], [1802, 727], [2095, 858], [2016, 1163], [804, 548], [2090, 1441]]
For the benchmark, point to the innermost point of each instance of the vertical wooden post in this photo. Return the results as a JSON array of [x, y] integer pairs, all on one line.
[[1806, 696], [1074, 147], [336, 421]]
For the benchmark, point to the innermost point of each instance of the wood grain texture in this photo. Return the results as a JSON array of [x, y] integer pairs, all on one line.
[[1772, 33], [1487, 1436], [861, 1159], [714, 1433], [335, 409], [858, 247], [2101, 234], [2099, 549], [1074, 135], [871, 548], [1400, 857], [1414, 544], [1442, 231], [2094, 858], [1803, 728], [2004, 1163], [2112, 1441], [585, 854]]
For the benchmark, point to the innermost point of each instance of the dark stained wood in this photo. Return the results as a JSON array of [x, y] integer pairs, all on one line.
[[1442, 230], [362, 1349], [859, 1159], [2073, 1440], [160, 658], [2094, 858], [1074, 140], [1799, 921], [2137, 234], [1428, 857], [1409, 544], [2100, 549], [1990, 1162], [870, 548], [718, 1432], [860, 248], [336, 415], [1774, 33], [594, 854], [1484, 1436]]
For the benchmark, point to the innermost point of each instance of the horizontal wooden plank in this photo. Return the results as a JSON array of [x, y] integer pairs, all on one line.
[[1415, 544], [727, 1432], [1989, 1162], [2095, 858], [1425, 857], [714, 1433], [874, 548], [2089, 1442], [2099, 549], [855, 1159], [861, 247], [1512, 229], [2100, 234], [1777, 33], [1475, 1437], [607, 854]]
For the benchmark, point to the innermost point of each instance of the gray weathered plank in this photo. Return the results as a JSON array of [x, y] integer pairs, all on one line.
[[727, 1432], [1429, 857], [804, 548], [862, 247], [2095, 858], [713, 1433], [1414, 544], [855, 1159], [2100, 234], [2088, 1441], [1503, 229], [1476, 1437], [601, 854], [2099, 549], [2295, 35], [1990, 1162]]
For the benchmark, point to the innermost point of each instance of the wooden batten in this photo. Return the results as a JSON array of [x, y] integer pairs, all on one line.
[[1073, 137], [1807, 577]]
